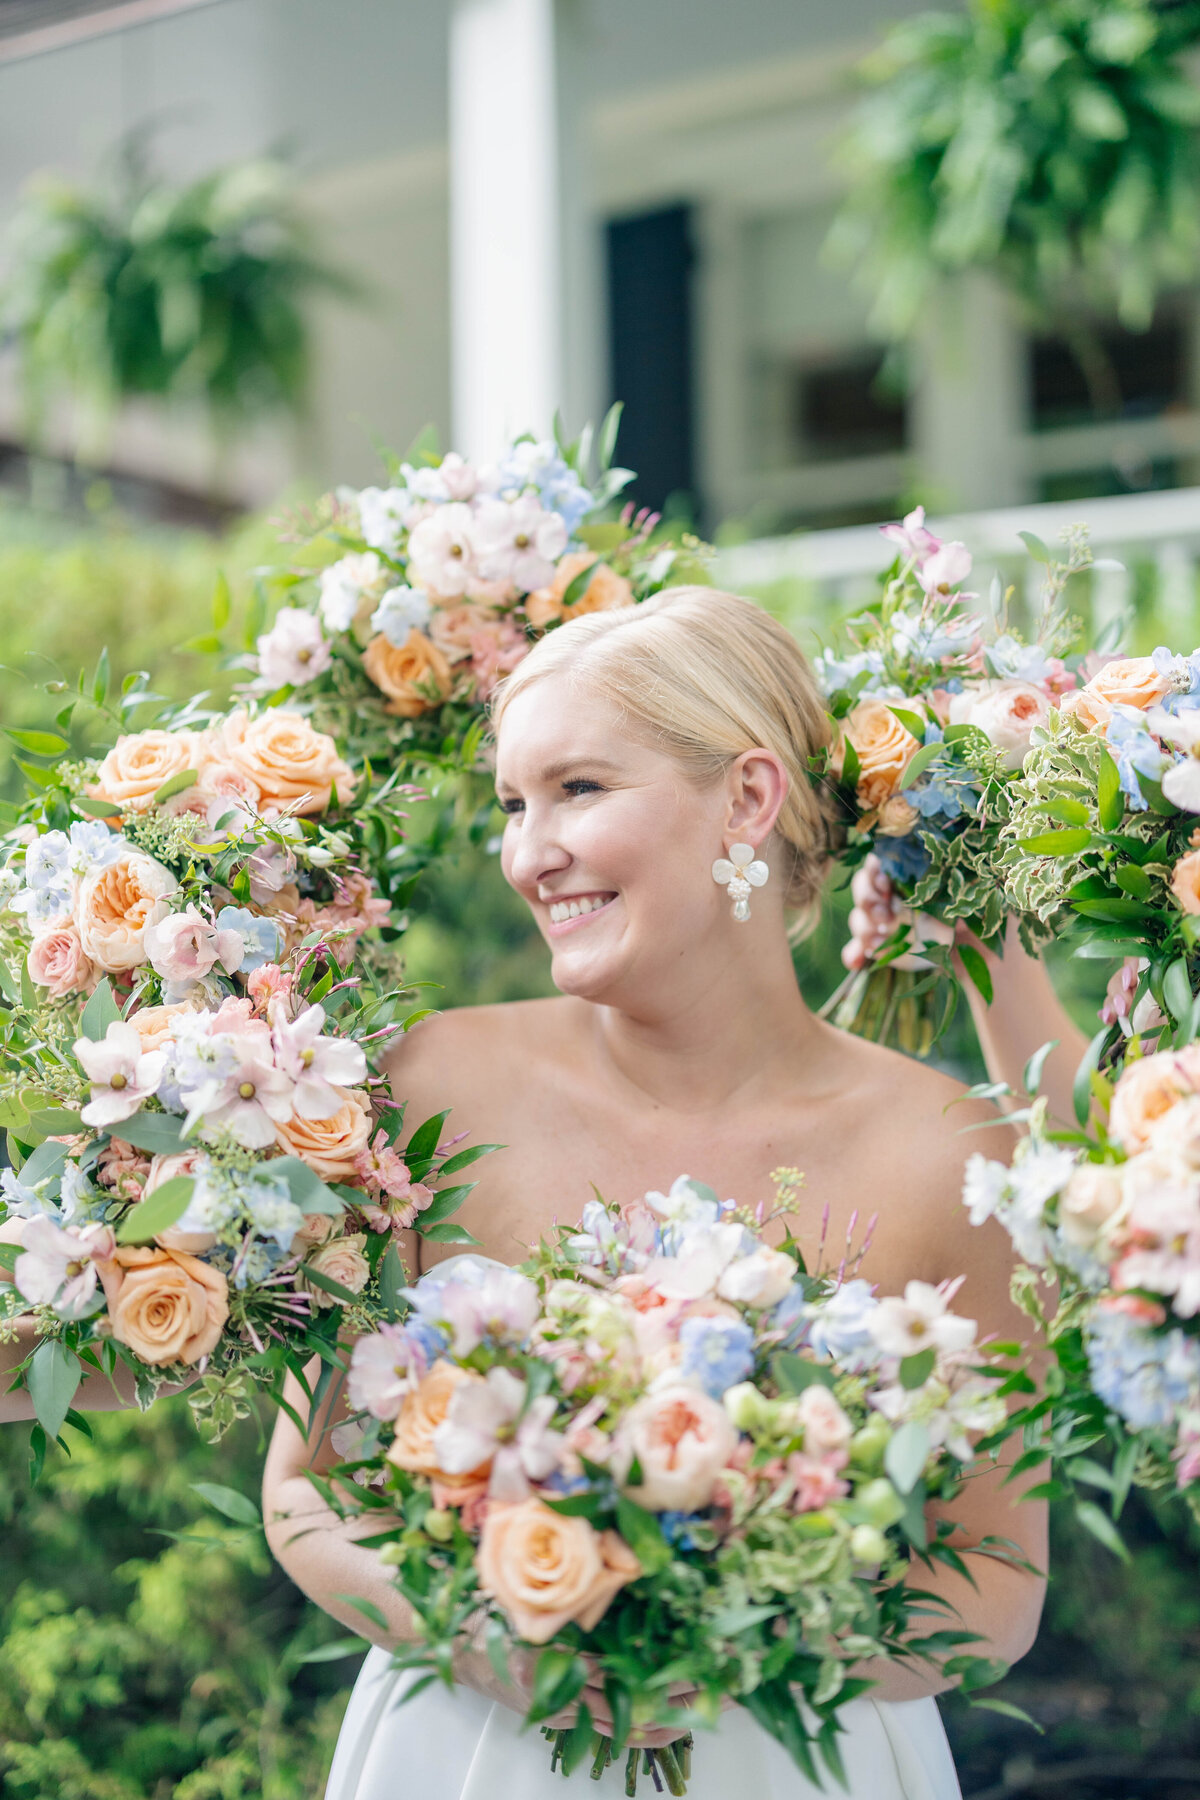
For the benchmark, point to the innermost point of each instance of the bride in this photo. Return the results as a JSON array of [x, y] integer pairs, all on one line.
[[634, 748]]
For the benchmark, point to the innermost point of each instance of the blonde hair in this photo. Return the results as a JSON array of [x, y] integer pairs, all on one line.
[[709, 675]]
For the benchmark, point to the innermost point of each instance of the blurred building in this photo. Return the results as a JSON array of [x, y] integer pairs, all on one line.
[[676, 261]]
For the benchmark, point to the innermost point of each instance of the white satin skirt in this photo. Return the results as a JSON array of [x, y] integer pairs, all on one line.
[[456, 1745]]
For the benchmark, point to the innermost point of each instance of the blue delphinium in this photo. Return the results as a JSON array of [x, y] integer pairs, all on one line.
[[1144, 1375], [1184, 675], [1135, 753], [790, 1317], [840, 1327], [677, 1528], [1012, 660], [941, 791], [902, 858], [717, 1352], [261, 937], [834, 672]]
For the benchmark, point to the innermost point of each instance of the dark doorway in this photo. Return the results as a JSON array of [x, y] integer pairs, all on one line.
[[650, 260]]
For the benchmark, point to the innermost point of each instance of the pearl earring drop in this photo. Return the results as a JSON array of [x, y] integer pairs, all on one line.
[[739, 874]]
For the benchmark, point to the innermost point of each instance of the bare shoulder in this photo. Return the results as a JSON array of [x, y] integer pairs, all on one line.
[[453, 1058]]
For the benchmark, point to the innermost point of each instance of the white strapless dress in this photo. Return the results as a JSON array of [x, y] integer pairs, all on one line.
[[455, 1745], [458, 1746]]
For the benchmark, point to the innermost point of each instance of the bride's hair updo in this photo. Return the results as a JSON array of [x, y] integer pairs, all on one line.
[[706, 676]]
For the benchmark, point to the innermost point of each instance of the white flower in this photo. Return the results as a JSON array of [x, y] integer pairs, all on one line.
[[946, 569], [318, 1065], [688, 1203], [488, 1420], [402, 609], [379, 1369], [383, 516], [703, 1257], [57, 1268], [985, 1186], [293, 651], [343, 584], [1181, 783], [761, 1279], [921, 1321], [518, 542], [441, 552], [1006, 712], [122, 1076], [243, 1090]]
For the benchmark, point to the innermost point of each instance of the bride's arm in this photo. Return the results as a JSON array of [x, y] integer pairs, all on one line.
[[1024, 1014], [1004, 1605]]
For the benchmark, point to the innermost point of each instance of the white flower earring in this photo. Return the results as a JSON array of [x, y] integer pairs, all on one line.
[[739, 874]]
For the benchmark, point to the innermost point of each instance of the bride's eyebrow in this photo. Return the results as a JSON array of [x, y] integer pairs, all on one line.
[[597, 765]]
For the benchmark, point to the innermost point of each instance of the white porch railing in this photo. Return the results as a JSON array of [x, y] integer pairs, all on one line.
[[1160, 529]]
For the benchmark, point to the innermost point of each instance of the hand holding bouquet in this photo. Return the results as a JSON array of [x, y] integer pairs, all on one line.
[[668, 1457], [206, 1172]]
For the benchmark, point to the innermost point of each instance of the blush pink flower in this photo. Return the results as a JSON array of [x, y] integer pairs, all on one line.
[[815, 1480], [318, 1065], [185, 946], [912, 536], [682, 1439], [120, 1167], [57, 1267], [121, 1075], [395, 1198], [488, 1423], [294, 651], [266, 984], [58, 961]]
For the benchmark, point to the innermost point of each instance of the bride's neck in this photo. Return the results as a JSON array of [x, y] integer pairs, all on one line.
[[697, 1042]]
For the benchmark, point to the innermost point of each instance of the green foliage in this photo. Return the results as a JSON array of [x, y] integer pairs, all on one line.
[[149, 1648], [1051, 142], [149, 289]]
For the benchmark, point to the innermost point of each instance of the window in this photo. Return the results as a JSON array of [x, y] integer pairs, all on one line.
[[1131, 375]]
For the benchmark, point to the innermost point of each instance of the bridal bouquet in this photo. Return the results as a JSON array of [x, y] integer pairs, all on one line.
[[205, 1173], [1113, 1226], [934, 717], [439, 583], [1102, 844], [658, 1453]]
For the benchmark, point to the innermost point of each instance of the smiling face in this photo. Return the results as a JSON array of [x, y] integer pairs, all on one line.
[[609, 842]]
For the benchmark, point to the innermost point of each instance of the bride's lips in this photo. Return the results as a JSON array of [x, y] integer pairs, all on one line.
[[600, 904]]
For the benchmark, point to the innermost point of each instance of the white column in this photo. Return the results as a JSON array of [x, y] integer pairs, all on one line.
[[504, 227]]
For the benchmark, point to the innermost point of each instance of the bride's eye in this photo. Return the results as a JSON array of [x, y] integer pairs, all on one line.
[[581, 786], [511, 806]]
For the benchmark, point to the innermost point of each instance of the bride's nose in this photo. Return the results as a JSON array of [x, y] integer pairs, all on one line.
[[538, 855]]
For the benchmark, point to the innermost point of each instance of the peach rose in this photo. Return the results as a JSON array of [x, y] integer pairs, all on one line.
[[884, 747], [138, 765], [58, 961], [1006, 712], [155, 1024], [826, 1426], [288, 762], [1126, 681], [342, 1259], [1145, 1093], [546, 1570], [682, 1439], [1185, 883], [167, 1306], [331, 1147], [424, 1409], [605, 590], [453, 627], [415, 676], [1093, 1195], [115, 906], [167, 1168]]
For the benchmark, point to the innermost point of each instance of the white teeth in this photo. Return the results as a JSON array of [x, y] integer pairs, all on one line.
[[573, 910], [562, 910]]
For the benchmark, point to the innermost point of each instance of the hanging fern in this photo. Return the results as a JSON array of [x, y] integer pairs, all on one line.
[[151, 290], [1051, 142]]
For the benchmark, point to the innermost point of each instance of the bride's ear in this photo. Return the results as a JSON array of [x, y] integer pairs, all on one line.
[[757, 786]]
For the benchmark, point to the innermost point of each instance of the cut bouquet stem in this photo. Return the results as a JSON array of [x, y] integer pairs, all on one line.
[[669, 1767]]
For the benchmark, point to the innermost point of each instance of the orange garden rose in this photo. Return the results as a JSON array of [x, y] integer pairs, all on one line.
[[415, 676], [116, 904], [138, 765], [423, 1410], [1127, 681], [1146, 1091], [155, 1024], [167, 1306], [546, 1570], [605, 590], [1185, 881], [342, 1259], [331, 1147], [288, 762], [884, 747]]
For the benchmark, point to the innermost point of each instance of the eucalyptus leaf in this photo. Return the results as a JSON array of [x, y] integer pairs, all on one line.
[[53, 1376]]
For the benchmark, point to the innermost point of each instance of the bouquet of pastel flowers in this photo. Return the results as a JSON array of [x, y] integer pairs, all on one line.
[[659, 1452], [1110, 1227], [441, 581], [205, 1171], [934, 718]]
